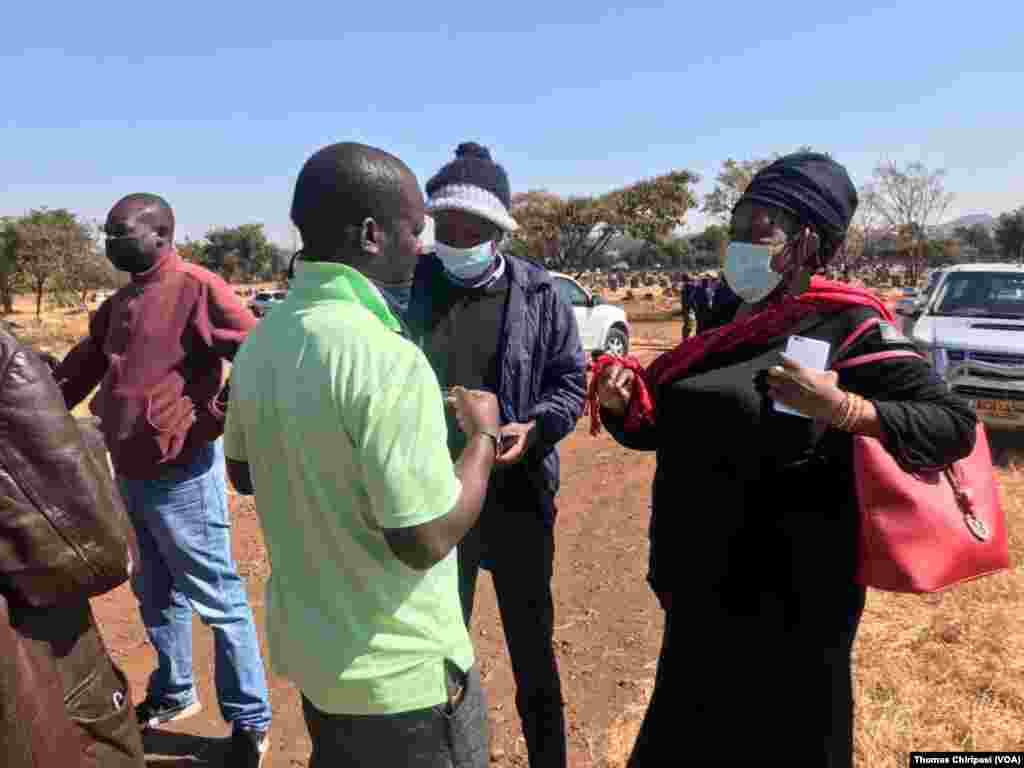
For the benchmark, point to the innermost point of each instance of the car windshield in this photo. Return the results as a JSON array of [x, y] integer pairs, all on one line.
[[981, 294]]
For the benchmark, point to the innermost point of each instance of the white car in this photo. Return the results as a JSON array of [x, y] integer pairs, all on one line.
[[265, 301], [972, 326], [603, 327]]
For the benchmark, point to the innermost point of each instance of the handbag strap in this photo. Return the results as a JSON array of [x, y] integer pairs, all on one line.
[[859, 331], [953, 473], [874, 357]]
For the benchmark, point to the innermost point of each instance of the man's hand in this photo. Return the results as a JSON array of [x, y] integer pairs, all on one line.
[[516, 440], [475, 410], [813, 393], [615, 389]]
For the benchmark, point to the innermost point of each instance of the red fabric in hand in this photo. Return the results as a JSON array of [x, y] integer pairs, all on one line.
[[641, 395]]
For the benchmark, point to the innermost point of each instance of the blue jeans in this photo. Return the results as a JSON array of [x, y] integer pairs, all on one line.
[[184, 532]]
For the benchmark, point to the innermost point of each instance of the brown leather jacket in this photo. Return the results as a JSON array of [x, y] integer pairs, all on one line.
[[64, 537]]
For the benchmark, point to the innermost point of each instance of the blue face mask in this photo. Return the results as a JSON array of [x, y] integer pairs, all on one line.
[[466, 263]]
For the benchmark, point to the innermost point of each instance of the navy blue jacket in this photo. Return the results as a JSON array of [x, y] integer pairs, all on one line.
[[542, 365]]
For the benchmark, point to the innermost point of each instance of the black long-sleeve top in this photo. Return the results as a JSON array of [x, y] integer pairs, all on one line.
[[752, 507]]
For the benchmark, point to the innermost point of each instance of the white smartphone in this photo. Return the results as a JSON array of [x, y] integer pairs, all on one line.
[[810, 353]]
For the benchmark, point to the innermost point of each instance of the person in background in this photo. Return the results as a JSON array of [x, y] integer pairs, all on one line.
[[701, 303], [724, 305], [768, 576], [156, 348], [65, 537], [491, 321], [337, 426], [685, 299]]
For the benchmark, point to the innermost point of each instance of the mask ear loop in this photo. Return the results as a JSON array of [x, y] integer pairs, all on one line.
[[291, 265]]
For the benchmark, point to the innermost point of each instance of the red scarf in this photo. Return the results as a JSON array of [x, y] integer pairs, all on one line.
[[823, 297]]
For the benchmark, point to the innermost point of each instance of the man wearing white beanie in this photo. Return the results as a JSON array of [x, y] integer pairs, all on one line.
[[488, 320]]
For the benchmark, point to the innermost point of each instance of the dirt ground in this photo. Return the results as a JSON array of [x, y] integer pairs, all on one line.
[[936, 673]]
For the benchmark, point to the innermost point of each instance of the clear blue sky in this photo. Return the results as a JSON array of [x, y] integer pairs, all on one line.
[[216, 105]]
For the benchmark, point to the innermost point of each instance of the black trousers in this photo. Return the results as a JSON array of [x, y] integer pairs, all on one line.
[[452, 735], [786, 689], [515, 540]]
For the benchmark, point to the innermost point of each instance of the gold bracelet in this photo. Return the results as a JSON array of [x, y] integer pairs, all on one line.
[[839, 409], [856, 414], [846, 411], [861, 413]]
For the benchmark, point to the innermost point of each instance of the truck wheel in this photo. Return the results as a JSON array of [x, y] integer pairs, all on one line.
[[617, 343]]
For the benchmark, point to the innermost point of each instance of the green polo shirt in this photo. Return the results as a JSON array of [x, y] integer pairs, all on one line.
[[341, 421]]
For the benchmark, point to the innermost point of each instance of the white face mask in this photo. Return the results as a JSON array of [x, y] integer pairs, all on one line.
[[466, 263], [748, 270]]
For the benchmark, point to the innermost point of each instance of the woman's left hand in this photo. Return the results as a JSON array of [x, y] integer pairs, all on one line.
[[813, 393]]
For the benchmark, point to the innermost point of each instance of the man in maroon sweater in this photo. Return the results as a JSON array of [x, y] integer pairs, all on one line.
[[156, 348]]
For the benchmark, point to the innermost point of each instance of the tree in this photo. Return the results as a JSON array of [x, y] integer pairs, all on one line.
[[190, 251], [732, 181], [712, 242], [8, 263], [910, 199], [574, 234], [85, 274], [978, 237], [45, 243], [571, 234], [942, 253], [1010, 234], [538, 214], [241, 252], [653, 209], [862, 236], [677, 253]]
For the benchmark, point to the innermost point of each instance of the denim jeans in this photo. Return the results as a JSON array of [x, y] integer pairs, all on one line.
[[184, 532], [452, 735]]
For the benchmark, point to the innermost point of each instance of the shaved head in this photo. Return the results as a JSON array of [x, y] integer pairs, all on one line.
[[146, 208], [343, 185], [139, 228]]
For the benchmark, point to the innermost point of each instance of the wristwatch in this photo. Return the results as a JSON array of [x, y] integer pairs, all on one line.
[[495, 437]]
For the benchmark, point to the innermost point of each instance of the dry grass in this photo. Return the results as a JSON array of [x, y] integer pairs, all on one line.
[[56, 331], [946, 672], [932, 673]]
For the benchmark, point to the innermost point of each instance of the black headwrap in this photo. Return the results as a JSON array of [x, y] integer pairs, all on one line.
[[814, 188]]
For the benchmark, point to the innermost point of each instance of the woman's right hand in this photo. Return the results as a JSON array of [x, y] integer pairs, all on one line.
[[615, 388]]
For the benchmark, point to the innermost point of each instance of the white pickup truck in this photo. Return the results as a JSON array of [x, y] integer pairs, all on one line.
[[603, 327], [972, 326]]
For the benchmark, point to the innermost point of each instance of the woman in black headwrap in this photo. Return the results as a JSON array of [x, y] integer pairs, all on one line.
[[757, 579]]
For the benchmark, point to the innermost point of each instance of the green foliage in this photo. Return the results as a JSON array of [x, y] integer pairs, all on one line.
[[237, 253], [732, 182], [8, 263], [48, 246], [575, 233], [1010, 234], [978, 237]]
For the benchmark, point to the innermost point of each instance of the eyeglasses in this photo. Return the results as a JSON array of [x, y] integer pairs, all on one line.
[[742, 223]]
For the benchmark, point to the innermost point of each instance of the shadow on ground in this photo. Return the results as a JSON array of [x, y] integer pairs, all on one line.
[[165, 749]]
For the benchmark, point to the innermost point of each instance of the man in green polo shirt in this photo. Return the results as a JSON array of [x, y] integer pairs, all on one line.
[[337, 425]]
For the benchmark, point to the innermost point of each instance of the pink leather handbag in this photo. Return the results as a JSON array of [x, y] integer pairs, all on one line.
[[930, 530]]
